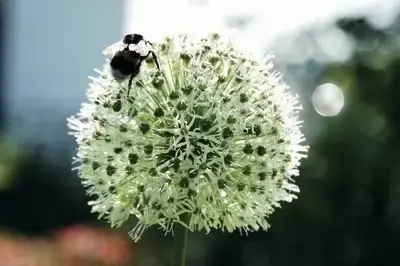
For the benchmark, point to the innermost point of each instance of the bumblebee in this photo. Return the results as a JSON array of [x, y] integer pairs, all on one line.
[[126, 62]]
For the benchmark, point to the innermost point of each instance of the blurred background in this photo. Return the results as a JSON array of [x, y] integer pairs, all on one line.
[[341, 57]]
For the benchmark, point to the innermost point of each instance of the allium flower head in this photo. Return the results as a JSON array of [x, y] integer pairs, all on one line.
[[214, 136]]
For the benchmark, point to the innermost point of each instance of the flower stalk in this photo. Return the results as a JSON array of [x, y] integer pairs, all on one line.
[[180, 243]]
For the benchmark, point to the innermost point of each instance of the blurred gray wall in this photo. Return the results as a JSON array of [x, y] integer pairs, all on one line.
[[51, 49]]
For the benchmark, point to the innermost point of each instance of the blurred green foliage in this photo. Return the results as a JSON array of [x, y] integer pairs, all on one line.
[[9, 155]]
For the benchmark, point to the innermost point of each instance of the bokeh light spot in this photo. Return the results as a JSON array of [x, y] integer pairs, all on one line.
[[328, 99]]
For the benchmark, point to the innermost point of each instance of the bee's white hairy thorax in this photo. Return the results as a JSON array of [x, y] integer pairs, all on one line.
[[140, 48]]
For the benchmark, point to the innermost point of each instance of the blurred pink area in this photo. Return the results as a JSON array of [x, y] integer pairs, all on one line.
[[77, 245]]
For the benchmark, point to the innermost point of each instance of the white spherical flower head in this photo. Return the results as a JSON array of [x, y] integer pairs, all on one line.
[[214, 137]]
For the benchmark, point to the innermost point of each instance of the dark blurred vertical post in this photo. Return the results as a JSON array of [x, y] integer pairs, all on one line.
[[2, 61]]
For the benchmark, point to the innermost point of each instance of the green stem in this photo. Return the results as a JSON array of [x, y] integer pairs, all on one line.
[[180, 242]]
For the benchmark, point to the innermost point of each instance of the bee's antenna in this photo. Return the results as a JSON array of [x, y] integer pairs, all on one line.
[[148, 42]]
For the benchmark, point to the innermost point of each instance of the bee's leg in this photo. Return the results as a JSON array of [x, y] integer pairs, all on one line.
[[153, 54], [130, 83], [155, 59], [133, 75]]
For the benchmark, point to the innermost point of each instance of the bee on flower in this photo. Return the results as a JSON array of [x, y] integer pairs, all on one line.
[[206, 133]]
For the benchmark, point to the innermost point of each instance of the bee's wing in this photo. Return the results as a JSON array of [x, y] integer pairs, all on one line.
[[113, 48]]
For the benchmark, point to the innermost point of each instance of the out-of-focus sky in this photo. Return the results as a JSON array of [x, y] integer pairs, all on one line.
[[265, 19], [51, 47], [257, 25], [49, 55]]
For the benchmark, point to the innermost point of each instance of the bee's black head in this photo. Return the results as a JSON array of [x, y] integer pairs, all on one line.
[[132, 38]]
